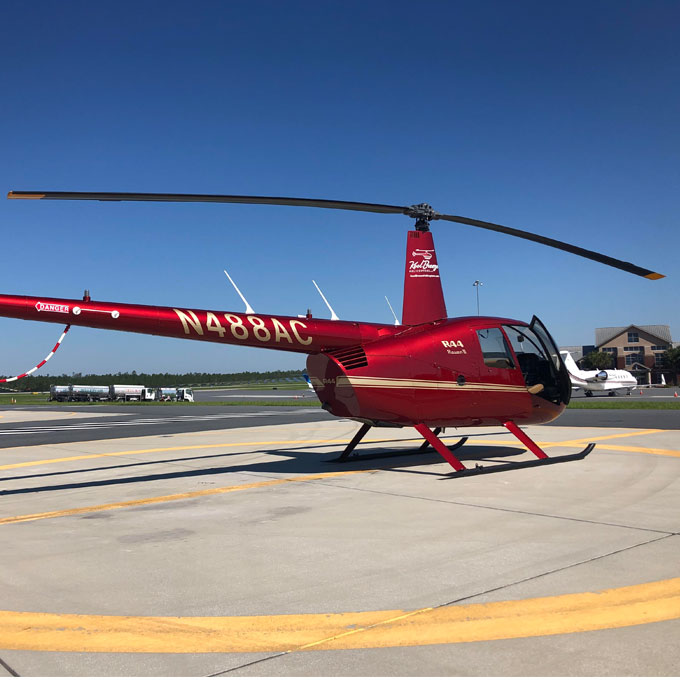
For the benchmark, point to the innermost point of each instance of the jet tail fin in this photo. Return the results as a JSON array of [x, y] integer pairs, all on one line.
[[570, 364]]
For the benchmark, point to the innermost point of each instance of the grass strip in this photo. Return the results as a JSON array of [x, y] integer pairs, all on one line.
[[29, 400], [627, 405]]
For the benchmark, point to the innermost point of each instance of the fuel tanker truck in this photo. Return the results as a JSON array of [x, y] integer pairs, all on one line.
[[126, 392], [79, 392]]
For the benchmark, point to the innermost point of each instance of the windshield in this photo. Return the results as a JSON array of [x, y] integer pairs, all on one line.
[[524, 341]]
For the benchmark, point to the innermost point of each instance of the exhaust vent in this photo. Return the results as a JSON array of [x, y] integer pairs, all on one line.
[[350, 357]]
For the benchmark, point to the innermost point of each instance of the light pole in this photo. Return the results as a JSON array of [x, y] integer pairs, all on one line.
[[477, 284]]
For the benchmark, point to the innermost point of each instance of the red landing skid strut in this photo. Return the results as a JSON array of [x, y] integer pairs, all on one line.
[[445, 452], [347, 454]]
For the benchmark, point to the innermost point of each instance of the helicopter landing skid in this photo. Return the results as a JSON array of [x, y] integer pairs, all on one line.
[[542, 457], [505, 467], [347, 454], [431, 439]]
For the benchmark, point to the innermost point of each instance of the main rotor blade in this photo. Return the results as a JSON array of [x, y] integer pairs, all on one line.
[[209, 198], [417, 211], [553, 243]]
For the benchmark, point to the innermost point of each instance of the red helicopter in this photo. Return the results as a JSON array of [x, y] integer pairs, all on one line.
[[429, 372]]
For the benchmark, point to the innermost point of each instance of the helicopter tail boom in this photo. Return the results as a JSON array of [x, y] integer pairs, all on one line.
[[294, 334]]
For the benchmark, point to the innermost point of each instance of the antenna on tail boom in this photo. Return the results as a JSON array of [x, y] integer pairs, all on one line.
[[334, 316], [396, 321], [249, 309]]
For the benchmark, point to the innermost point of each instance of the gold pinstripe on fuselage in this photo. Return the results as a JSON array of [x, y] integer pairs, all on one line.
[[407, 383]]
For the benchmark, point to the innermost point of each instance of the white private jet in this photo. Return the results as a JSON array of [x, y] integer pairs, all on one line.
[[609, 381]]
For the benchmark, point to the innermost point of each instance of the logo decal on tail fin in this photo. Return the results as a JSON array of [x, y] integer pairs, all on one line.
[[421, 266]]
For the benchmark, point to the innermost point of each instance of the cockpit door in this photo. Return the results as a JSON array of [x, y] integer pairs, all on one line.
[[560, 370], [539, 360]]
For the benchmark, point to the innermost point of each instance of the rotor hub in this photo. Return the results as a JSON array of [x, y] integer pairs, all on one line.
[[423, 213]]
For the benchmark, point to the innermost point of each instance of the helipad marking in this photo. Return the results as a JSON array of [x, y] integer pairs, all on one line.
[[173, 497], [228, 489], [30, 463], [578, 442], [556, 615], [609, 447], [91, 456], [620, 435], [642, 449]]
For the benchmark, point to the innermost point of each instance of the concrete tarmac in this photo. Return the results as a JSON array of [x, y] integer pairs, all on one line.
[[51, 423], [244, 552]]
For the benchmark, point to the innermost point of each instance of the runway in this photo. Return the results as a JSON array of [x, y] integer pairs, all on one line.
[[231, 546], [49, 425]]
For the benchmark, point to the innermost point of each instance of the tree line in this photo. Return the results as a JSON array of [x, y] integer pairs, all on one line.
[[42, 383]]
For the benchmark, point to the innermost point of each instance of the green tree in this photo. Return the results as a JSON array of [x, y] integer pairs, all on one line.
[[596, 360], [671, 360]]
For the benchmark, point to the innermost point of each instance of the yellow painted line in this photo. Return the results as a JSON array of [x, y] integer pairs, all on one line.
[[570, 442], [90, 456], [173, 497], [621, 435], [556, 615], [577, 442], [642, 449], [228, 489], [545, 445]]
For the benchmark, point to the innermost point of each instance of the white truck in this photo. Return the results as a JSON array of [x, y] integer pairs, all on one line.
[[174, 394], [185, 394]]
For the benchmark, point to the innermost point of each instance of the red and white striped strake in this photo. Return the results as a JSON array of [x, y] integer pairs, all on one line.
[[42, 363]]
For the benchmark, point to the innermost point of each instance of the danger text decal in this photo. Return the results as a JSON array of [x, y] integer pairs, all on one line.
[[51, 307], [244, 328]]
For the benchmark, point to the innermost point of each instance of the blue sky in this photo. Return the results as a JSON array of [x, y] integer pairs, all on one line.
[[558, 119]]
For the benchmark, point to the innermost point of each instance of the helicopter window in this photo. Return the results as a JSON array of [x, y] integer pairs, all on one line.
[[547, 342], [524, 341], [495, 348], [535, 363]]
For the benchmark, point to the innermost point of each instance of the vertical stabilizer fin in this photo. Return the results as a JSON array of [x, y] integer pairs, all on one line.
[[571, 365], [423, 296]]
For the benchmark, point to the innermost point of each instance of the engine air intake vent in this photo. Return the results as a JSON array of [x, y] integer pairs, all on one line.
[[350, 357]]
